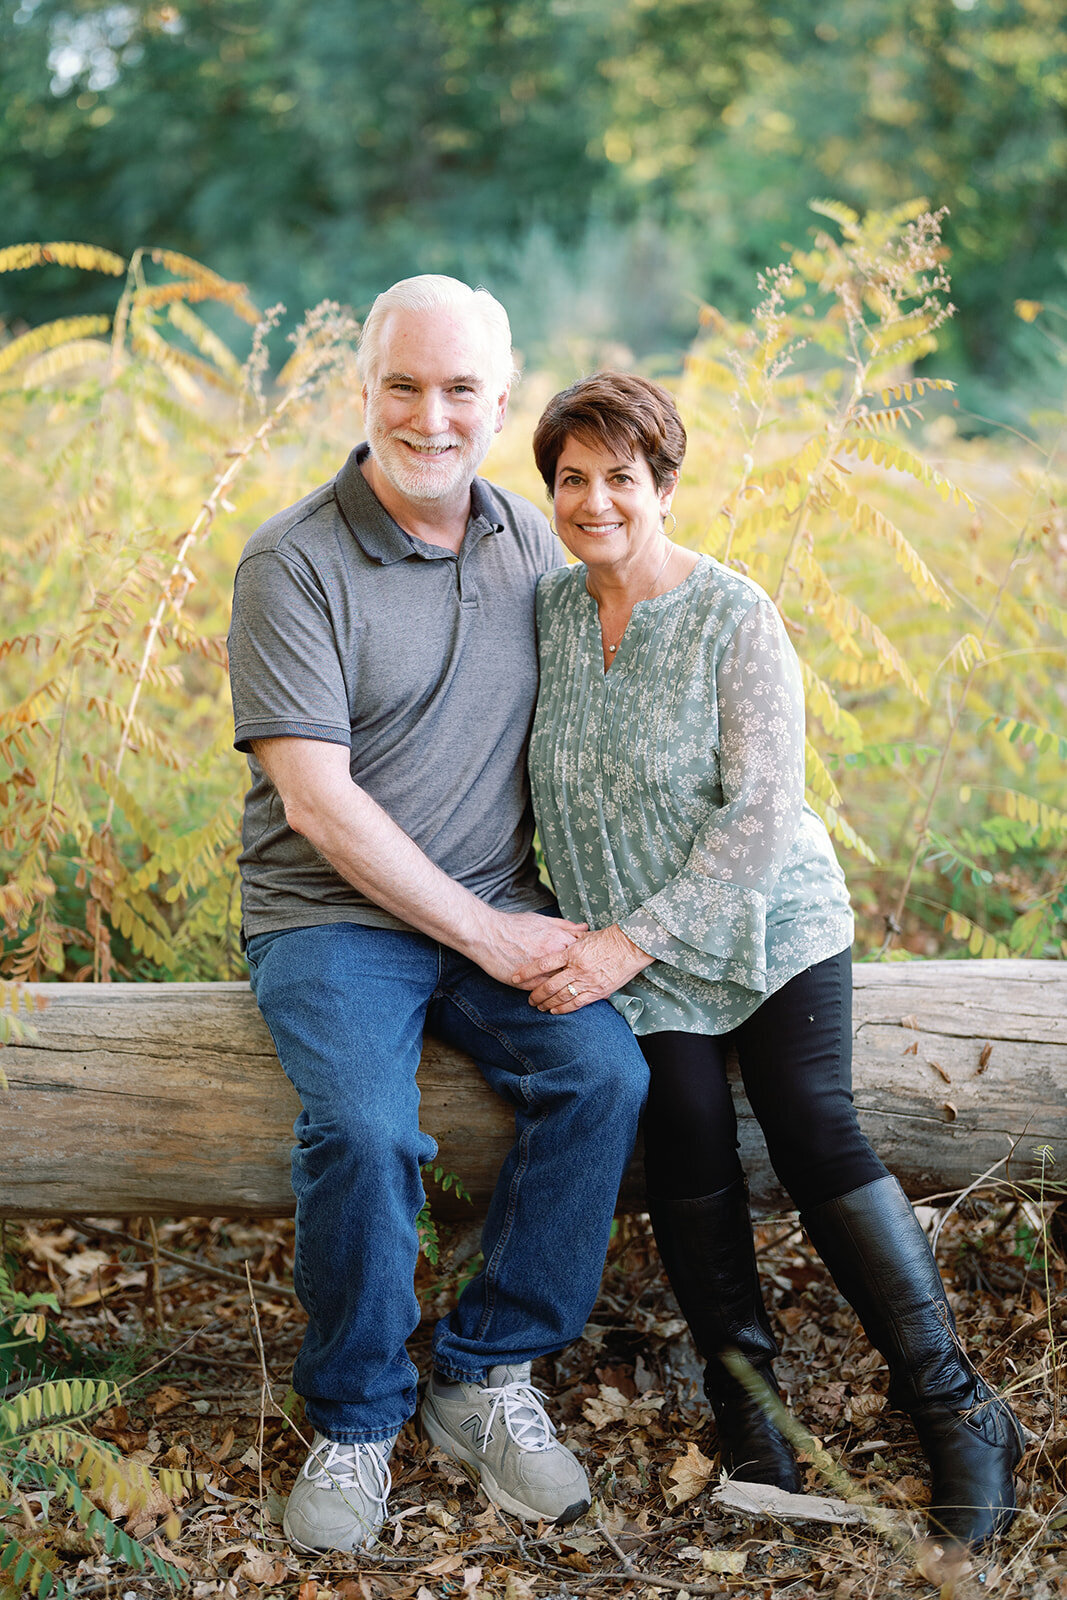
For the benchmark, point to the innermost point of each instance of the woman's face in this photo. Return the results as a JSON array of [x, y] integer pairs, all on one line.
[[607, 507]]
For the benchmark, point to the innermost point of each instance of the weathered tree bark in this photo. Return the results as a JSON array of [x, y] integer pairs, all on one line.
[[167, 1099]]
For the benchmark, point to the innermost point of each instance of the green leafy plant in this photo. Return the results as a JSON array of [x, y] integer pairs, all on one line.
[[46, 1449], [930, 693]]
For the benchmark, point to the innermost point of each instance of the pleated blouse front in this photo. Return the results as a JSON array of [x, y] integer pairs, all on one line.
[[669, 795]]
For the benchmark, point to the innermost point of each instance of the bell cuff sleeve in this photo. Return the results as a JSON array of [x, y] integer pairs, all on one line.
[[711, 918]]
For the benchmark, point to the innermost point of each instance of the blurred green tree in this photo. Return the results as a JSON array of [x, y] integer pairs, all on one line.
[[559, 150]]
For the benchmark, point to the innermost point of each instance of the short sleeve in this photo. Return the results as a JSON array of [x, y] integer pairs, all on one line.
[[285, 674]]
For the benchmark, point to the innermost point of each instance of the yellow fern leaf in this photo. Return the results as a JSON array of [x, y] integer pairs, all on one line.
[[1046, 819], [868, 518], [208, 343], [823, 704], [67, 358], [841, 830], [89, 257], [48, 335], [918, 386], [712, 374], [978, 941], [847, 219], [901, 355], [888, 453], [817, 775], [233, 294], [844, 620], [964, 654]]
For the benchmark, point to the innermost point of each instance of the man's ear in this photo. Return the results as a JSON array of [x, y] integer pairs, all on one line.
[[501, 409]]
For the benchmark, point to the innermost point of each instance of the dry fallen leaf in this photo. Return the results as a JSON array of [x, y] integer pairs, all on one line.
[[687, 1477], [868, 1404], [939, 1069], [166, 1399], [451, 1562], [909, 1021], [259, 1566], [724, 1560], [983, 1059], [611, 1405]]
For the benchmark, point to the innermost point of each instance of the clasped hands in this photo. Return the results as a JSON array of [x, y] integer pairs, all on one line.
[[591, 968]]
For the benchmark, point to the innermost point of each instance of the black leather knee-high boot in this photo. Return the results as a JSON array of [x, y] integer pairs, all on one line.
[[883, 1265], [706, 1247]]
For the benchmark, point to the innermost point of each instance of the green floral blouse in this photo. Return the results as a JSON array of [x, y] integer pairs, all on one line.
[[669, 796]]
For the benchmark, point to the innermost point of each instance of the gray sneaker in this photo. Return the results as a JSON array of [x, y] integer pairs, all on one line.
[[499, 1433], [338, 1500]]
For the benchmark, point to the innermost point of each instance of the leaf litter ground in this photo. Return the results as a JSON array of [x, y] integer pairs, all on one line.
[[197, 1322]]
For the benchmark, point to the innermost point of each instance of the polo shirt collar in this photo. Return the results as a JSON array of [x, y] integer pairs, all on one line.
[[374, 530]]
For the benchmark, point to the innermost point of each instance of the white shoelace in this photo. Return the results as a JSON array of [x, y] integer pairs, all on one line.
[[352, 1466], [525, 1418]]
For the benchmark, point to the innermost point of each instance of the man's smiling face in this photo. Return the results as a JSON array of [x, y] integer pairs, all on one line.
[[433, 403]]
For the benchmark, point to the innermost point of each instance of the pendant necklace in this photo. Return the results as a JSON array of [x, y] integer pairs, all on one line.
[[670, 551]]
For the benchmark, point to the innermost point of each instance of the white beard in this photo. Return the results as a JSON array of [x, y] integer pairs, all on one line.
[[433, 477]]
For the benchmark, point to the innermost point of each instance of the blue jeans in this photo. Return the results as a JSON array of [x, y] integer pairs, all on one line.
[[346, 1006]]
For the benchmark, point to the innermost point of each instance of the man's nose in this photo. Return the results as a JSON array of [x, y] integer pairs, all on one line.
[[431, 413]]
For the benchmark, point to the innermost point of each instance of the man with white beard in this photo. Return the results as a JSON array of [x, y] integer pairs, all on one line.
[[384, 669]]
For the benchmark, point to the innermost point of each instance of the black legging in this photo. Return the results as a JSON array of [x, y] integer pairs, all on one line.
[[795, 1055]]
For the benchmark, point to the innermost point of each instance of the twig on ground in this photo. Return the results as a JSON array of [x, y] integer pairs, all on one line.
[[202, 1267]]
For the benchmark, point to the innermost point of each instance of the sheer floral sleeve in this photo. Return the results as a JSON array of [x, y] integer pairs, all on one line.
[[714, 910]]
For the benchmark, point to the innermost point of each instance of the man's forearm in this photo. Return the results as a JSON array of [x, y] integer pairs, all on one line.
[[370, 851]]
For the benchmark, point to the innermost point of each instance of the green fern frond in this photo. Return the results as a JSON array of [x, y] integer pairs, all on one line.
[[893, 754], [1016, 728]]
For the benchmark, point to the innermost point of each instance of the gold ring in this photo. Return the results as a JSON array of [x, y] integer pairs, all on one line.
[[571, 990]]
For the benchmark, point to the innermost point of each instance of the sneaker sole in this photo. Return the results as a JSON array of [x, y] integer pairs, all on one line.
[[482, 1478]]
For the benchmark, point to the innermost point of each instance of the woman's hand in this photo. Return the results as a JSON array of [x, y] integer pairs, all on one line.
[[593, 967]]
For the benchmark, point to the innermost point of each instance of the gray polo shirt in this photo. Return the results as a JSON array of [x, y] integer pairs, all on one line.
[[423, 663]]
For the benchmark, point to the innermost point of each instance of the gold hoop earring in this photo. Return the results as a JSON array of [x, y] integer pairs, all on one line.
[[552, 525], [674, 522]]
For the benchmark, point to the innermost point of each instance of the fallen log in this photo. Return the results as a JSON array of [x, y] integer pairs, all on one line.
[[167, 1099]]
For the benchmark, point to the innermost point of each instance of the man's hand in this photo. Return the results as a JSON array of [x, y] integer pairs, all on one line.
[[520, 938], [589, 969]]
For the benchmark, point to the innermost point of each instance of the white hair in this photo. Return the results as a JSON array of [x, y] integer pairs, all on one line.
[[432, 291]]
